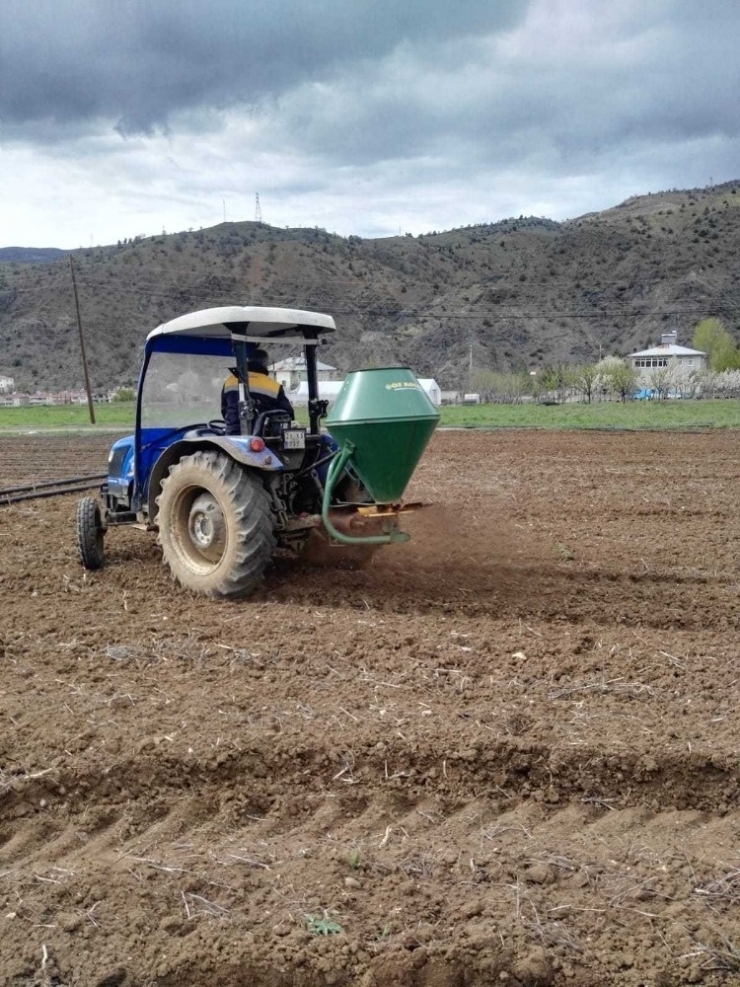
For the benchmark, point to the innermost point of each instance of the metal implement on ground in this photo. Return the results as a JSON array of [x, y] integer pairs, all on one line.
[[49, 488], [224, 505]]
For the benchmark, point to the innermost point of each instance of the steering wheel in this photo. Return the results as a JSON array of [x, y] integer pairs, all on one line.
[[217, 425]]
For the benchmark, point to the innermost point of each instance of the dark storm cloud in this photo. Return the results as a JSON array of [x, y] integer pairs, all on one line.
[[568, 88], [359, 115], [137, 62]]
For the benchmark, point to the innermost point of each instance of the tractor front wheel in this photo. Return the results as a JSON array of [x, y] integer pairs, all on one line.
[[90, 532], [215, 525]]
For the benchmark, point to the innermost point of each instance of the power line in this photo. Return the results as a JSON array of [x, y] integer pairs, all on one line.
[[501, 313], [120, 286], [370, 281]]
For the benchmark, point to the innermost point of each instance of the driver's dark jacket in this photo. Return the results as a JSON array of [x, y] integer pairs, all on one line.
[[265, 392]]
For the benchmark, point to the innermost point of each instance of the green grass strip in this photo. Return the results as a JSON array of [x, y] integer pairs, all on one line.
[[681, 415]]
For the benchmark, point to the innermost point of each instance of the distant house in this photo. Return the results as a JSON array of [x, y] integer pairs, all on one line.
[[70, 397], [291, 371], [682, 361], [41, 397]]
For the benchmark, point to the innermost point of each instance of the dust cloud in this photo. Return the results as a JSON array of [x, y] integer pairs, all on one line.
[[454, 559]]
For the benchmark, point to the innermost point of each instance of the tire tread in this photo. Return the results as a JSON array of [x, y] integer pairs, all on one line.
[[243, 496], [89, 534]]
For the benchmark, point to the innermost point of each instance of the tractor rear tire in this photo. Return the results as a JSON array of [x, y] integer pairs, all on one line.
[[215, 525], [90, 533]]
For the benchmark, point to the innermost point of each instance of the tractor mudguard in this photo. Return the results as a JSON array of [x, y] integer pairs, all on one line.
[[121, 470], [119, 482], [235, 446]]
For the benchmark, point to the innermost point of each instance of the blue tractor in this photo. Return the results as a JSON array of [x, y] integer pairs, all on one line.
[[224, 505]]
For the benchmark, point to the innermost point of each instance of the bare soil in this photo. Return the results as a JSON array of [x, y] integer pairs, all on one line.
[[506, 752]]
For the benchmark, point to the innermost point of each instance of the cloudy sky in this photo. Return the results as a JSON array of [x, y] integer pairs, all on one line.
[[126, 117]]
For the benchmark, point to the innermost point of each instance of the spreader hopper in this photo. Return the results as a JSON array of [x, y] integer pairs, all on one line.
[[382, 420]]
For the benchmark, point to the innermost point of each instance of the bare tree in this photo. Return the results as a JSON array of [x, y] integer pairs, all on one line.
[[558, 379], [688, 382], [585, 381], [725, 384], [622, 380], [501, 388], [662, 381]]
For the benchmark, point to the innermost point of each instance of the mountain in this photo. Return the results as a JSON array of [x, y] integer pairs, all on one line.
[[31, 255], [512, 294]]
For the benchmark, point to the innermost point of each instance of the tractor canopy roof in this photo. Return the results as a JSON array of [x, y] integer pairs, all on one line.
[[245, 320]]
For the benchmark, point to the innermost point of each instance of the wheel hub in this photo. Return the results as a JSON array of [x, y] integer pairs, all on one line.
[[207, 527]]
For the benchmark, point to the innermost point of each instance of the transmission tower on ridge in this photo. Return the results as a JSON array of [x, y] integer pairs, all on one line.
[[257, 210]]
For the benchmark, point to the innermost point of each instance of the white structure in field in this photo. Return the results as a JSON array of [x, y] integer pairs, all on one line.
[[431, 389]]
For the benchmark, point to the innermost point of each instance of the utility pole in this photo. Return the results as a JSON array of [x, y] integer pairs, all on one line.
[[82, 344], [257, 210]]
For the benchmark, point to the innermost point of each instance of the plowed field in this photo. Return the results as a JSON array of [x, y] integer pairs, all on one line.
[[507, 752]]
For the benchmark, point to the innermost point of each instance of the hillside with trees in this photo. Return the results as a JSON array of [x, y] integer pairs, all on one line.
[[518, 295]]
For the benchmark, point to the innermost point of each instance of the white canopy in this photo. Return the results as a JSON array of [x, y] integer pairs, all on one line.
[[256, 320]]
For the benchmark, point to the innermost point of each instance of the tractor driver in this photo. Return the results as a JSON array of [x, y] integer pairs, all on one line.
[[265, 392]]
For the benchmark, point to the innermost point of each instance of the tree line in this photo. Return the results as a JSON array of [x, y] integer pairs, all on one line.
[[614, 379]]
